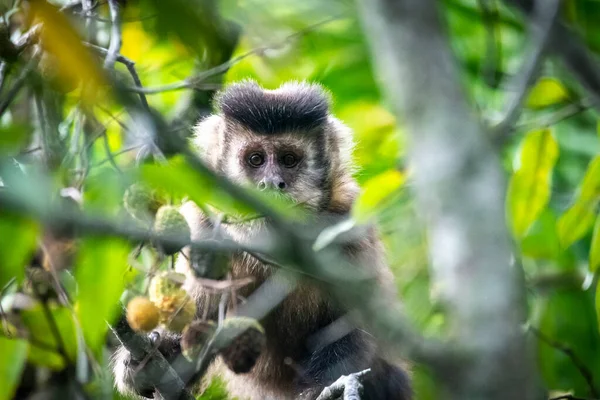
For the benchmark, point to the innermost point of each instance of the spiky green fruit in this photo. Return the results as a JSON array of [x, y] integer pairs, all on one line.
[[241, 340], [171, 224], [177, 310], [142, 202], [195, 336], [165, 283]]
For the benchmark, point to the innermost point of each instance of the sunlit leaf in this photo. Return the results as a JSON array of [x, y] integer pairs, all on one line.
[[595, 247], [529, 188], [375, 191], [579, 219], [13, 354], [18, 249], [100, 277], [52, 335], [74, 63], [541, 240], [546, 92]]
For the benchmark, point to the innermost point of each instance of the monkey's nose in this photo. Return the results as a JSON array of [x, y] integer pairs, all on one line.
[[274, 183]]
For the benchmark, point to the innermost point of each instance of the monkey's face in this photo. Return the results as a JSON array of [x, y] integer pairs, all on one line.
[[286, 165]]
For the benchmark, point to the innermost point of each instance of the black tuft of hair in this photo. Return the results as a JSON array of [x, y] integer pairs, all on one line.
[[293, 107]]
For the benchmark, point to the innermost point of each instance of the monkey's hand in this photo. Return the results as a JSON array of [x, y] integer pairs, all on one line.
[[347, 387], [131, 377]]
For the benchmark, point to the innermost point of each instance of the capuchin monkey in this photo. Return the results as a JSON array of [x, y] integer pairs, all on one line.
[[285, 140]]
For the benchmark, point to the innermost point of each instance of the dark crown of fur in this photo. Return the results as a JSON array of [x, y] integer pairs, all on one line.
[[291, 108]]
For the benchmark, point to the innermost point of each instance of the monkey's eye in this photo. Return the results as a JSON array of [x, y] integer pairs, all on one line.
[[256, 160], [289, 160]]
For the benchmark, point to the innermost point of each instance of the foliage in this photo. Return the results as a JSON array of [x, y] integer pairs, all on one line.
[[89, 132]]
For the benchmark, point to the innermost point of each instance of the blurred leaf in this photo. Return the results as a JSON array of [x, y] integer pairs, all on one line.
[[74, 63], [329, 234], [195, 23], [13, 354], [577, 330], [375, 191], [21, 246], [595, 247], [529, 187], [100, 278], [577, 221], [546, 92], [13, 137], [46, 347], [214, 391], [541, 240]]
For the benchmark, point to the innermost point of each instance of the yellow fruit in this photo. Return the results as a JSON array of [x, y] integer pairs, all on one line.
[[171, 224], [177, 310], [164, 283], [142, 314]]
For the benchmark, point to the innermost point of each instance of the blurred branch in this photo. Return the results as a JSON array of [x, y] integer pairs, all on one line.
[[195, 80], [566, 112], [460, 192], [116, 40], [130, 65], [572, 51], [569, 397], [541, 32], [156, 369], [20, 81], [577, 362]]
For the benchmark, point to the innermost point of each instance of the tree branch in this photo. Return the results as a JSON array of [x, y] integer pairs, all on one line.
[[19, 81], [116, 39], [541, 32], [460, 192]]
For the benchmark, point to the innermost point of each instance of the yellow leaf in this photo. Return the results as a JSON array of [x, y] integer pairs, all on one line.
[[546, 92], [529, 187], [375, 191], [595, 247], [577, 221], [74, 62]]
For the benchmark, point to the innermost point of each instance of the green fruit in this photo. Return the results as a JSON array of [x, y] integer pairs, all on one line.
[[195, 336], [142, 202], [165, 283], [241, 340], [177, 310], [171, 224]]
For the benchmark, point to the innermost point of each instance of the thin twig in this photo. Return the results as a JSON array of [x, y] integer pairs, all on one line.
[[541, 32], [195, 80], [20, 81], [577, 362], [116, 39], [130, 65]]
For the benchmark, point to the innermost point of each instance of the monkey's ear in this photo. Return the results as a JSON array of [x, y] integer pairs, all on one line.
[[208, 138], [343, 141]]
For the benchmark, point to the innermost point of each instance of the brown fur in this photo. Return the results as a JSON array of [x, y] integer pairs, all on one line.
[[307, 310]]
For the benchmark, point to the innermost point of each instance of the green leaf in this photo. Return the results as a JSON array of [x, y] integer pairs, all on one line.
[[48, 344], [375, 191], [546, 92], [16, 251], [578, 220], [13, 354], [568, 317], [541, 240], [13, 137], [529, 187], [99, 274], [595, 247]]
